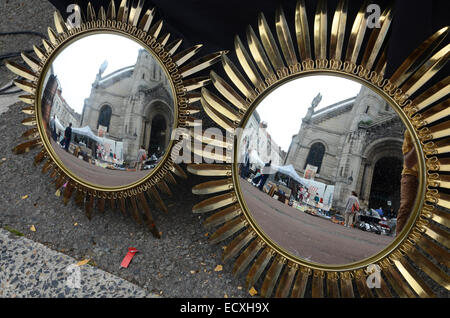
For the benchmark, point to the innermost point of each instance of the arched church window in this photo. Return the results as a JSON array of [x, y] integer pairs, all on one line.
[[367, 109], [104, 117], [315, 156]]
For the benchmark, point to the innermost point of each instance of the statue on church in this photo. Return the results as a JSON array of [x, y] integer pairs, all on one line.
[[314, 104], [100, 72]]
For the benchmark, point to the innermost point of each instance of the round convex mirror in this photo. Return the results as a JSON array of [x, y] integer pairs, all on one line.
[[107, 108], [321, 161]]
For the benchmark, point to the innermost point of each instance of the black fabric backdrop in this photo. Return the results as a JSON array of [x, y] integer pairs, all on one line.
[[214, 23]]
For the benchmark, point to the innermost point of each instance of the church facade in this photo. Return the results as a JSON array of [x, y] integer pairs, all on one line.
[[134, 105], [356, 146]]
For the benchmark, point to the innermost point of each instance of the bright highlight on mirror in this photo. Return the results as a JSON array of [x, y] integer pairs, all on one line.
[[321, 163]]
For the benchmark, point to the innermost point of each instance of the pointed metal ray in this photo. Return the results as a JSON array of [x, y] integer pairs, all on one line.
[[332, 285], [396, 282], [222, 216], [27, 99], [433, 94], [237, 78], [418, 57], [338, 30], [25, 86], [89, 206], [164, 39], [228, 92], [162, 185], [287, 278], [21, 71], [272, 276], [111, 12], [196, 83], [159, 202], [200, 64], [122, 13], [60, 25], [259, 56], [357, 35], [183, 56], [53, 37], [259, 266], [27, 146], [213, 187], [90, 13], [246, 257], [317, 284], [31, 61], [302, 31], [269, 44], [437, 233], [215, 203], [210, 169], [101, 205], [135, 210], [376, 39], [320, 31], [148, 216], [237, 244], [39, 53], [215, 115], [299, 288], [227, 230], [102, 14], [426, 71], [146, 20], [429, 268], [247, 63], [220, 106], [173, 46], [284, 37], [135, 12], [436, 112], [413, 279], [156, 29]]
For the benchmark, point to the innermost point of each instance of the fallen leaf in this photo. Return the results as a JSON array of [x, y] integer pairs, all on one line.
[[218, 268], [192, 272], [207, 234], [76, 224], [240, 287], [58, 193], [83, 262], [3, 159], [25, 197], [252, 291], [32, 228], [225, 296]]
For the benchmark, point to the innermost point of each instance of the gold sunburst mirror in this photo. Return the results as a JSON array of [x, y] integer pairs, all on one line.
[[332, 182], [106, 95]]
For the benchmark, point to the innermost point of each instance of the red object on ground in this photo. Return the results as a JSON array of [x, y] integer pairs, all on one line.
[[127, 259]]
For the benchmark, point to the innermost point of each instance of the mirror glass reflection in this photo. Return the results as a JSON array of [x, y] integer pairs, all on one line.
[[108, 110], [327, 169]]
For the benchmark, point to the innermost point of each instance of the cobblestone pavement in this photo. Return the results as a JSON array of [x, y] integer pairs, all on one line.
[[29, 269]]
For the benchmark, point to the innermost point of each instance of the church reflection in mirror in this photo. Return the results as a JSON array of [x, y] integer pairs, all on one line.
[[309, 148]]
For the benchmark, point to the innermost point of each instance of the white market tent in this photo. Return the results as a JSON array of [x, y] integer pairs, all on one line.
[[86, 131]]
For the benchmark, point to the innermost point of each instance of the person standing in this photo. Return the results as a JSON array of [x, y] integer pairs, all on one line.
[[141, 157], [351, 207], [53, 128], [265, 175], [408, 183], [67, 137]]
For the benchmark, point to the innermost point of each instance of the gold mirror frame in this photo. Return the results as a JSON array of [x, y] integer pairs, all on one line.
[[427, 227], [127, 21]]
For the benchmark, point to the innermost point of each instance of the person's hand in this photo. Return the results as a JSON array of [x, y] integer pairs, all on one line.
[[410, 158]]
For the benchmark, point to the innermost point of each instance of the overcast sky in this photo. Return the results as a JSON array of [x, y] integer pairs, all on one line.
[[285, 107], [78, 64]]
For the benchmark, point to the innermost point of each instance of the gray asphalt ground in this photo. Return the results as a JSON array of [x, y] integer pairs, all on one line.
[[180, 264]]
